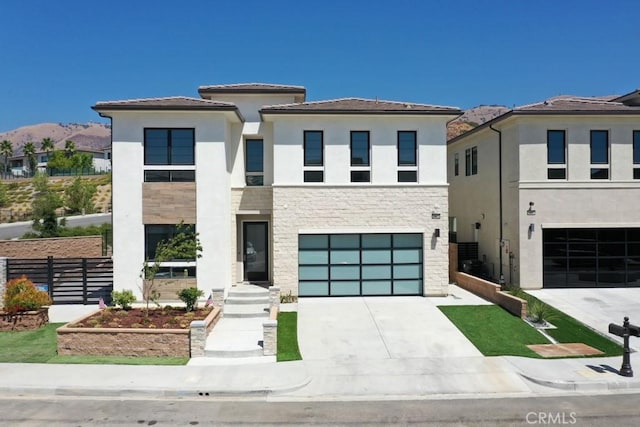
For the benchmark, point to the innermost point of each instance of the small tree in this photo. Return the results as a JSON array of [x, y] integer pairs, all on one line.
[[47, 145], [184, 244], [6, 151], [69, 148], [29, 151], [44, 205], [79, 196]]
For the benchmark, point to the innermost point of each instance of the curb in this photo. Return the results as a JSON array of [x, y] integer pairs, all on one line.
[[571, 385]]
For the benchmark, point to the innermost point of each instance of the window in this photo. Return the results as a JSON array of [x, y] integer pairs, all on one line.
[[254, 162], [360, 147], [169, 147], [600, 154], [636, 154], [313, 155], [471, 161], [169, 176], [156, 233], [407, 156], [556, 154], [456, 164]]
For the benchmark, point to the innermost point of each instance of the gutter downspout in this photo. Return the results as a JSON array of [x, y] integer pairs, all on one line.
[[501, 281]]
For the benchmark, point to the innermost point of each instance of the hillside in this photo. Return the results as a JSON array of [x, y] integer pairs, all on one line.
[[474, 117], [93, 136]]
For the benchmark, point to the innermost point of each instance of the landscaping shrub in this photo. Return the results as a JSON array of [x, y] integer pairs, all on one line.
[[123, 298], [189, 297], [22, 295]]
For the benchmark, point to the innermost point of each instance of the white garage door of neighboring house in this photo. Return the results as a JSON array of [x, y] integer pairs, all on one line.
[[360, 264], [591, 257]]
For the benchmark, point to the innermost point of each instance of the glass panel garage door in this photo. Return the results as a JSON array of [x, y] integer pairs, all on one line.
[[589, 257], [359, 264]]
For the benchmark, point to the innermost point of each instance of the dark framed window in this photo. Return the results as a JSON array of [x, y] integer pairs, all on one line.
[[471, 161], [407, 176], [360, 148], [313, 176], [467, 162], [599, 173], [556, 147], [556, 173], [407, 149], [456, 164], [254, 162], [156, 233], [169, 176], [169, 146], [176, 273], [599, 147], [360, 176], [313, 148], [636, 147]]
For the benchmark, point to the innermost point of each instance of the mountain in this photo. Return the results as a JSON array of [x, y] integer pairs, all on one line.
[[474, 117], [89, 136]]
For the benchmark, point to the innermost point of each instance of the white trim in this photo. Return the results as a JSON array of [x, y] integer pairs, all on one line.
[[560, 184], [592, 225], [394, 230]]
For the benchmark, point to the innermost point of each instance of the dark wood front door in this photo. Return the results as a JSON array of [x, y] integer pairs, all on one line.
[[255, 242]]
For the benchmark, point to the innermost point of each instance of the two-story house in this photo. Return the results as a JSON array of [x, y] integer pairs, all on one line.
[[336, 197], [551, 192]]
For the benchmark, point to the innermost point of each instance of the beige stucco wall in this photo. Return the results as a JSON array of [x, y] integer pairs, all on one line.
[[359, 209], [58, 247]]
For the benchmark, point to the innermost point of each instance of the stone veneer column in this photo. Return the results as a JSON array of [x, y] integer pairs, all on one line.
[[274, 296], [197, 338], [218, 297], [270, 337], [3, 279]]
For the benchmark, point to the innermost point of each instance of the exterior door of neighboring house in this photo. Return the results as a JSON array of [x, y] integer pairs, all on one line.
[[255, 241]]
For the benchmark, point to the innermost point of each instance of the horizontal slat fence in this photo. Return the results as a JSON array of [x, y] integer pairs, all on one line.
[[67, 280]]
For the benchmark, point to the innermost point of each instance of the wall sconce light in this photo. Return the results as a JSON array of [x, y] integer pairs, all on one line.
[[436, 233], [531, 228], [478, 225], [531, 210]]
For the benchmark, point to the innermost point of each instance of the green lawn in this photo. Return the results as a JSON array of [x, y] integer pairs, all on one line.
[[40, 346], [496, 332], [288, 337]]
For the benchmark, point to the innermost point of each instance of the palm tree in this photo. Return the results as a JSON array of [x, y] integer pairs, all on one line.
[[69, 148], [6, 151], [29, 151], [47, 146]]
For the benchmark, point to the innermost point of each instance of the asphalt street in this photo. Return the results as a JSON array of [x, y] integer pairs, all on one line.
[[585, 410], [17, 229]]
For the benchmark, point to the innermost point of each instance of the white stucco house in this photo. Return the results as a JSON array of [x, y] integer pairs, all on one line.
[[551, 192], [338, 197]]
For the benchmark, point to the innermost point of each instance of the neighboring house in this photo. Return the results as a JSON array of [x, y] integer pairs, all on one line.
[[551, 192], [337, 197], [20, 164]]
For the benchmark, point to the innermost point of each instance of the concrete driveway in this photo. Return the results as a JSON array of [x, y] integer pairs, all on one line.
[[355, 328], [596, 307]]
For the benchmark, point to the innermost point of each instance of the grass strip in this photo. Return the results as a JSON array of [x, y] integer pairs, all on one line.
[[288, 337], [494, 331]]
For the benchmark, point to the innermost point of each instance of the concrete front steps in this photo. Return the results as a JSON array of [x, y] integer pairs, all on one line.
[[238, 335]]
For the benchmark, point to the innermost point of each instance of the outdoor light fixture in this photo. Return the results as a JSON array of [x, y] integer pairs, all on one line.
[[531, 228], [436, 233], [531, 211]]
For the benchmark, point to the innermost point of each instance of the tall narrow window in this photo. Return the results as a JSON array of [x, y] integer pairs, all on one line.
[[169, 146], [556, 154], [456, 164], [313, 156], [407, 156], [636, 154], [467, 162], [471, 161], [360, 148], [254, 162], [599, 154]]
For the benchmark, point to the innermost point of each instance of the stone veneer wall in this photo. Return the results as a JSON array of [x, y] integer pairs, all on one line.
[[360, 209], [58, 247], [250, 203]]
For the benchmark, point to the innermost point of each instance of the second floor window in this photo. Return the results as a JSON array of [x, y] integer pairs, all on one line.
[[407, 156], [254, 162], [169, 146], [471, 161], [313, 156], [456, 164], [636, 154], [600, 154], [556, 154], [360, 148]]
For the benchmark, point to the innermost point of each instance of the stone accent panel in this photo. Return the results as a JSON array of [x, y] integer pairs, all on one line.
[[270, 333], [169, 288], [491, 292], [24, 321], [361, 209], [274, 297], [57, 247], [168, 202], [199, 331]]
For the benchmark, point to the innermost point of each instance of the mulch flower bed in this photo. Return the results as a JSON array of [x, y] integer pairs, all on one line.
[[155, 318]]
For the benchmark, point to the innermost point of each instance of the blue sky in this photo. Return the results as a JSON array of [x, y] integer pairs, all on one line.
[[57, 58]]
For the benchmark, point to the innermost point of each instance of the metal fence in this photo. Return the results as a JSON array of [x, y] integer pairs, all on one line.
[[67, 280]]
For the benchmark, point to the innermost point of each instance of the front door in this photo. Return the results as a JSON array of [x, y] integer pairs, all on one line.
[[256, 251]]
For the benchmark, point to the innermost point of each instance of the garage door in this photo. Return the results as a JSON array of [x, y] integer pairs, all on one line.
[[359, 264], [583, 258]]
